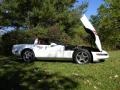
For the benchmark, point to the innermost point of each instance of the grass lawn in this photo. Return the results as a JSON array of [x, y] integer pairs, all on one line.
[[60, 75]]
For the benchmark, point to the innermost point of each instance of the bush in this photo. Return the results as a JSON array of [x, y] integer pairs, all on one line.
[[56, 34], [11, 38], [38, 32]]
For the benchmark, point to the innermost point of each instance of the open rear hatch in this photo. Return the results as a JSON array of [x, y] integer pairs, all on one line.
[[90, 29]]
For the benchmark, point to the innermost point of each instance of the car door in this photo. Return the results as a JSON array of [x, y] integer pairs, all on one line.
[[54, 51], [49, 51], [41, 50]]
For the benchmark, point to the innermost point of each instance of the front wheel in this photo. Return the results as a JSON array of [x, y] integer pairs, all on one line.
[[82, 56], [28, 55]]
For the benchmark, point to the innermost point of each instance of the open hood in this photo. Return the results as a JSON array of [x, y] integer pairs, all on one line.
[[89, 28]]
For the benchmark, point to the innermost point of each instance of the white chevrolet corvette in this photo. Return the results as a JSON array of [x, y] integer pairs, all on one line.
[[79, 54]]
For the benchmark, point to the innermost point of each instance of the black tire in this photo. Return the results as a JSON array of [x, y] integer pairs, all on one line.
[[82, 56], [28, 55]]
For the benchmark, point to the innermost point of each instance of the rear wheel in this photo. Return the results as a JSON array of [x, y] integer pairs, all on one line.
[[82, 56], [28, 55]]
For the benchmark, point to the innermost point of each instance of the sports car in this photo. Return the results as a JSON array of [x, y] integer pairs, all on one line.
[[42, 48]]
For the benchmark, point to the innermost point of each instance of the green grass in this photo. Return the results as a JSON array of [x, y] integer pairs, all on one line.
[[60, 75]]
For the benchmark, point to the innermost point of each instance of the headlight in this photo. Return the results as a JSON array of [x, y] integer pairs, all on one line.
[[15, 49]]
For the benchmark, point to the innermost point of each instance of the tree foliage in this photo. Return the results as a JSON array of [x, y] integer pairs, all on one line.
[[45, 13], [108, 23]]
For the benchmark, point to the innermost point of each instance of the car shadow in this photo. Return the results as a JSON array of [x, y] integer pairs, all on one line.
[[65, 61], [54, 60]]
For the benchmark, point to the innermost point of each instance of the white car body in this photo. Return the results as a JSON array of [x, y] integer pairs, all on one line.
[[56, 51], [59, 51]]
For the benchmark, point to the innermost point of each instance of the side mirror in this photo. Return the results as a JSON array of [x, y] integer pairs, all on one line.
[[53, 44]]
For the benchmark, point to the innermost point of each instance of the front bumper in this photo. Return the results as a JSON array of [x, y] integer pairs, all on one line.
[[97, 56], [16, 52]]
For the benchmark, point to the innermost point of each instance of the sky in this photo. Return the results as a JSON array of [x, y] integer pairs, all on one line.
[[92, 6], [1, 1]]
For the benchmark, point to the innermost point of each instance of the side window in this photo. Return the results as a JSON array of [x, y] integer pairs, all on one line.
[[43, 42]]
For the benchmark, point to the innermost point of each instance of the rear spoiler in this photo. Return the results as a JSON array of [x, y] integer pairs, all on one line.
[[87, 24]]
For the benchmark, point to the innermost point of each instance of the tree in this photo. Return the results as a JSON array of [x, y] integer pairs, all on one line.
[[32, 13]]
